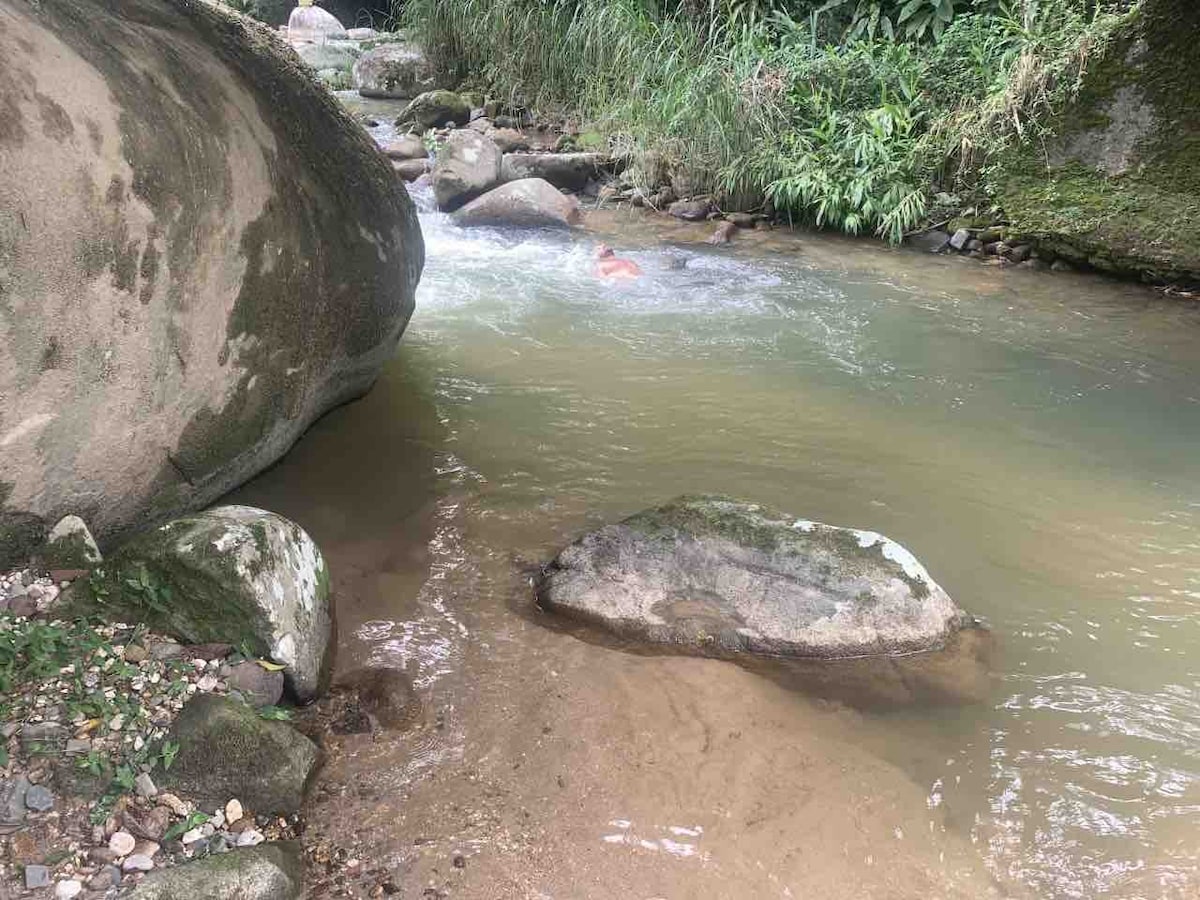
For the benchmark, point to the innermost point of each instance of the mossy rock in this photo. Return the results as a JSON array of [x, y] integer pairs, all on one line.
[[268, 872], [1118, 184], [233, 574], [433, 109], [715, 575], [227, 750]]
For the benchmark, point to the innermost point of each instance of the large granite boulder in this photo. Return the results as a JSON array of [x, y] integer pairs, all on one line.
[[200, 253], [467, 165], [268, 872], [1116, 185], [232, 574], [714, 575], [569, 171], [399, 71], [529, 202], [226, 750]]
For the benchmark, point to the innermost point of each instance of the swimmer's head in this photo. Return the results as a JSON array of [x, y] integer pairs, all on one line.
[[604, 251]]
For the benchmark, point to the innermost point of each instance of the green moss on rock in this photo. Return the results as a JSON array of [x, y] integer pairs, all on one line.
[[1118, 185], [227, 750]]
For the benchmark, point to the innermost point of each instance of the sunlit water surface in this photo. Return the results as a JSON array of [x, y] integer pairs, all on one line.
[[1030, 437]]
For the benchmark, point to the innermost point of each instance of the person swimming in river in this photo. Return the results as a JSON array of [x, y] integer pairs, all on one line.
[[609, 265]]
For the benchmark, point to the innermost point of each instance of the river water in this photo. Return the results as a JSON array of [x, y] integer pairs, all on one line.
[[1030, 437]]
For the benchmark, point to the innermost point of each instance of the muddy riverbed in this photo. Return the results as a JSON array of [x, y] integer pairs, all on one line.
[[1030, 437]]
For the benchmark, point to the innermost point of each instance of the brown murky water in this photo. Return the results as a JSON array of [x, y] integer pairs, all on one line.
[[1030, 438]]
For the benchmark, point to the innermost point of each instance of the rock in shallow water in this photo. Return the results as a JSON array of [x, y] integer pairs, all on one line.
[[529, 202], [714, 575], [467, 165]]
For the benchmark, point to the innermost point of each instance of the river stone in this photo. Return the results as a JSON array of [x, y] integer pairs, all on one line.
[[368, 700], [710, 574], [528, 202], [434, 109], [569, 171], [509, 140], [325, 56], [200, 253], [932, 241], [406, 146], [410, 169], [394, 71], [311, 23], [690, 210], [467, 165], [234, 574], [258, 686], [227, 750], [69, 545], [267, 872]]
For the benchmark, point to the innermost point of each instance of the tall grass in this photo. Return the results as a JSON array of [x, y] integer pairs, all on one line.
[[743, 101]]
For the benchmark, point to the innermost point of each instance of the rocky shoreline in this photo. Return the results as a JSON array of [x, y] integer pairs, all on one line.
[[581, 164]]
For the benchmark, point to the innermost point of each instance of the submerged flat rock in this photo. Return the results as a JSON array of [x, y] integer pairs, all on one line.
[[711, 574]]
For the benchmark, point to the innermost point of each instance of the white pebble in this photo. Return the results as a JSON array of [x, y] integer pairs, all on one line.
[[139, 862], [233, 811], [250, 838], [121, 843], [65, 890]]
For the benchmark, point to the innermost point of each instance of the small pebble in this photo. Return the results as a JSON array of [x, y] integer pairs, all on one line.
[[145, 785], [250, 838], [138, 862], [233, 811], [37, 876], [65, 890], [109, 876], [176, 805], [191, 837], [122, 843], [39, 799]]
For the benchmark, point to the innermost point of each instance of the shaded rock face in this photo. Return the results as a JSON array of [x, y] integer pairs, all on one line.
[[709, 574], [529, 202], [1118, 185], [187, 280], [399, 71], [569, 171], [467, 165], [227, 750], [233, 574], [267, 872]]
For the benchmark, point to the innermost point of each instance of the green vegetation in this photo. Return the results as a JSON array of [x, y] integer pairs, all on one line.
[[851, 114]]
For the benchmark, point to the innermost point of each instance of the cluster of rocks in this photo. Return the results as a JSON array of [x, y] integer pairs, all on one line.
[[996, 243], [133, 749], [466, 145], [326, 46]]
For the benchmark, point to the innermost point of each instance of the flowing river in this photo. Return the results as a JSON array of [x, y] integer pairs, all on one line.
[[1031, 438]]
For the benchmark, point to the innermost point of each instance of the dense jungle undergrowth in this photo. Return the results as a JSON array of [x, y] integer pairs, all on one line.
[[861, 115]]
